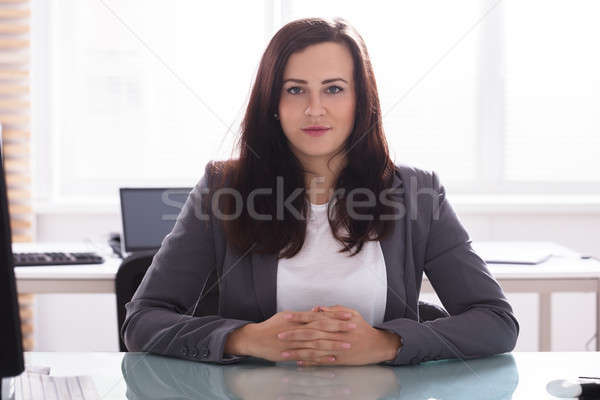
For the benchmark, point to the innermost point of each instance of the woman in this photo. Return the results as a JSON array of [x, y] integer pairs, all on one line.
[[318, 241]]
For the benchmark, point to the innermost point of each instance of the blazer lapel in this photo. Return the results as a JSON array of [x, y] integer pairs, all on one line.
[[264, 274], [394, 249], [393, 253]]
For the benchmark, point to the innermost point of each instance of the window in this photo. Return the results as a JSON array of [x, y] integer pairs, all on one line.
[[552, 91], [428, 98], [491, 95], [145, 95]]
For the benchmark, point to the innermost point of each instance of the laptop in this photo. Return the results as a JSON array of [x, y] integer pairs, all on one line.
[[148, 215]]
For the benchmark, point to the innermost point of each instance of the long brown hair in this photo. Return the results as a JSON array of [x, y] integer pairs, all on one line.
[[265, 154]]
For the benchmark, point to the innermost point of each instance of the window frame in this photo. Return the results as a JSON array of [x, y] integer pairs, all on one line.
[[489, 192]]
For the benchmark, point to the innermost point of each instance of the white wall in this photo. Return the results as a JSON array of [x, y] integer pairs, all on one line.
[[72, 322]]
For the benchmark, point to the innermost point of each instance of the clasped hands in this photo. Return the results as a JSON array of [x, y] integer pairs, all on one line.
[[334, 335]]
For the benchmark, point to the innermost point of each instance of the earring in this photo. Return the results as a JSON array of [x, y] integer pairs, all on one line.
[[276, 116]]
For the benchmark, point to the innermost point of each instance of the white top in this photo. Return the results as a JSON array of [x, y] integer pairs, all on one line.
[[320, 275]]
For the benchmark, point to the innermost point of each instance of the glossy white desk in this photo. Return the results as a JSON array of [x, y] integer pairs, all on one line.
[[143, 376], [564, 272], [92, 278]]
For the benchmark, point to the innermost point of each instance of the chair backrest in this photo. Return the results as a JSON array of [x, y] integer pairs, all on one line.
[[129, 276]]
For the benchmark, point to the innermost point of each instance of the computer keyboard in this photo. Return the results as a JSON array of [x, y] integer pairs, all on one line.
[[34, 386], [56, 258]]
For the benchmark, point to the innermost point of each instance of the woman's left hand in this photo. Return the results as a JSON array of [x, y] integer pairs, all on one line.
[[368, 345]]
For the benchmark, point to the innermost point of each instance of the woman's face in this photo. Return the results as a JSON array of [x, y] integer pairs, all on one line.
[[318, 90]]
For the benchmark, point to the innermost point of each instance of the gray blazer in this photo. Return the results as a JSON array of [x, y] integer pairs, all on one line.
[[163, 317]]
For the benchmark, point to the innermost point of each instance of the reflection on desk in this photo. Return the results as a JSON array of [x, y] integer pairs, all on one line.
[[155, 377], [522, 375]]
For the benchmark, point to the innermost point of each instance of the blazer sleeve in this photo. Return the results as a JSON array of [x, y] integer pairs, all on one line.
[[481, 321], [159, 317]]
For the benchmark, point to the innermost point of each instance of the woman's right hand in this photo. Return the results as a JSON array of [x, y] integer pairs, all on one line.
[[262, 341]]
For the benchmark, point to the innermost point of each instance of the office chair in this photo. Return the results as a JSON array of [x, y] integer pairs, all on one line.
[[132, 270], [129, 276]]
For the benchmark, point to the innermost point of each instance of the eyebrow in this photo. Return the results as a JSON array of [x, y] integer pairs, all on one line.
[[322, 83]]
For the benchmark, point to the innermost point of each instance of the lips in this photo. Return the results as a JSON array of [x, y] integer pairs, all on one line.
[[316, 130]]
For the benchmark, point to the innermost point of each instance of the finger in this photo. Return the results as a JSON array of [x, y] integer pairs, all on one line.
[[309, 316], [331, 325], [301, 334], [322, 330], [303, 354], [330, 345], [328, 359], [307, 364], [339, 309]]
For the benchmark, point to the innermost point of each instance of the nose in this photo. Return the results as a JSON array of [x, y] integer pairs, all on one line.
[[314, 109]]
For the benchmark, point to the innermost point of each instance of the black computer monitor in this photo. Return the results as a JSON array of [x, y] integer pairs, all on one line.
[[11, 348]]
